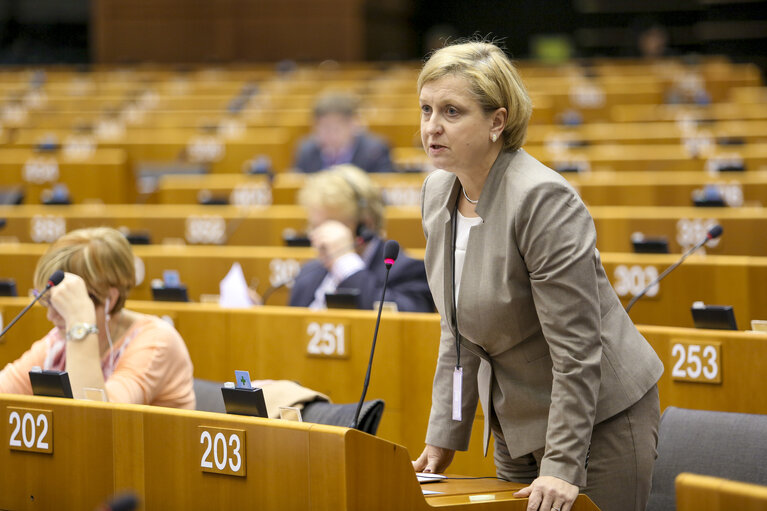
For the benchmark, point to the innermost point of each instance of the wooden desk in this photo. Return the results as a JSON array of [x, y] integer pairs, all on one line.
[[717, 112], [606, 188], [723, 280], [710, 369], [190, 224], [218, 225], [220, 153], [657, 132], [398, 189], [104, 176], [100, 448], [620, 157], [706, 493], [274, 343]]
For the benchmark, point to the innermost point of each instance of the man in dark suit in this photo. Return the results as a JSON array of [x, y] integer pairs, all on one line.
[[338, 138], [345, 212]]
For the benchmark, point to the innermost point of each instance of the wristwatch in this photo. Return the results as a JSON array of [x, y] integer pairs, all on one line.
[[80, 331]]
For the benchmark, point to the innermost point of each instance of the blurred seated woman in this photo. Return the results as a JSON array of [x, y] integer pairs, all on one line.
[[345, 210], [132, 357]]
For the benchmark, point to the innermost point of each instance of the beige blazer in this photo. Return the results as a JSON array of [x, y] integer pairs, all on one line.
[[547, 343]]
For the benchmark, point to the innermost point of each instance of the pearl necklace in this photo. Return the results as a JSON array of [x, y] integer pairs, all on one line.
[[467, 197]]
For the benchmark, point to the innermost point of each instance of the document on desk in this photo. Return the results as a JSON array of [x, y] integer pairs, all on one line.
[[431, 492], [425, 477]]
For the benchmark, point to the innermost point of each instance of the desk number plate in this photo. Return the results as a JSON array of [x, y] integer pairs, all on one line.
[[327, 340], [30, 430], [222, 451], [696, 361]]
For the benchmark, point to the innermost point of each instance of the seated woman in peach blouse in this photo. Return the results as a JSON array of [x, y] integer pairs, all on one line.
[[132, 357]]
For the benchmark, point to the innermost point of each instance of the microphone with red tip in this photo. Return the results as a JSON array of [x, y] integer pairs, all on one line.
[[390, 253], [712, 233], [54, 280]]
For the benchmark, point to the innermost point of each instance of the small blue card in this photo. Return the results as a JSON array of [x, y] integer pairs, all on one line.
[[171, 278], [242, 380]]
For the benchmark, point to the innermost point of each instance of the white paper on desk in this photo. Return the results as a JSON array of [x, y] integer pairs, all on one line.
[[428, 477], [234, 289], [431, 492]]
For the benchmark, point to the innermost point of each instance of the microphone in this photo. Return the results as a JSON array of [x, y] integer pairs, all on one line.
[[712, 233], [276, 287], [54, 280], [123, 502], [390, 252]]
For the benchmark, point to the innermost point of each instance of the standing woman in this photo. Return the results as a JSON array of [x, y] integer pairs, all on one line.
[[530, 323]]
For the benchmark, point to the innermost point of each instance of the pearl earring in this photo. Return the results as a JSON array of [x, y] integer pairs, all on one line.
[[493, 137]]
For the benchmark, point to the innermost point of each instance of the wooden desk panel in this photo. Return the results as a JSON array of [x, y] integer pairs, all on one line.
[[194, 224], [716, 280], [741, 369], [83, 438], [292, 466], [706, 493], [617, 157], [271, 343], [147, 145], [596, 188], [658, 132], [729, 111], [103, 177]]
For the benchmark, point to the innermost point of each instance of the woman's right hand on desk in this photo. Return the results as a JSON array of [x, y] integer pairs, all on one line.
[[434, 459]]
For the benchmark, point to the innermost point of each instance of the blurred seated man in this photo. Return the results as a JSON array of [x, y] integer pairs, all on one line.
[[131, 357], [338, 138], [345, 212]]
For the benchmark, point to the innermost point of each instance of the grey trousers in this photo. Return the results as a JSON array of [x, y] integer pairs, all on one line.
[[623, 451]]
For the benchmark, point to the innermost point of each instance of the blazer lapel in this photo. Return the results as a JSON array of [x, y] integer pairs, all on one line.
[[446, 217]]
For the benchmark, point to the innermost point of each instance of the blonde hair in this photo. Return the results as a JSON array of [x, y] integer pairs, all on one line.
[[100, 255], [346, 192], [493, 79]]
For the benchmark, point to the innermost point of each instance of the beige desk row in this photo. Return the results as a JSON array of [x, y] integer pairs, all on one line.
[[174, 459], [710, 370], [661, 188], [103, 176], [231, 225], [221, 154], [723, 280]]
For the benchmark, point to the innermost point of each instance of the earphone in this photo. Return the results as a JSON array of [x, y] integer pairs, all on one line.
[[107, 316], [362, 233]]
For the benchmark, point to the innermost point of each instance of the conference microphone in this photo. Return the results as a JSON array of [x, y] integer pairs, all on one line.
[[712, 233], [55, 280], [276, 287], [391, 251]]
